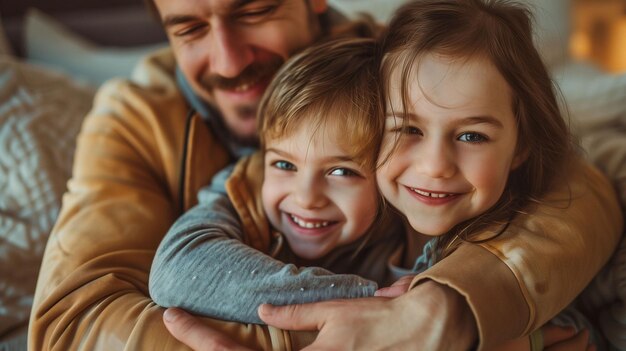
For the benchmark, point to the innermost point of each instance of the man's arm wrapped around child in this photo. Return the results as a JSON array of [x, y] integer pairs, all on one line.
[[205, 266]]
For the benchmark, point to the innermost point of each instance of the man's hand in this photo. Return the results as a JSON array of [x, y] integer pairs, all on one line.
[[565, 339], [554, 339], [191, 332], [396, 289], [429, 317]]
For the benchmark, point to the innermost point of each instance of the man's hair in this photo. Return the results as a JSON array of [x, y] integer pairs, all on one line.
[[323, 18], [152, 9], [501, 32], [331, 85]]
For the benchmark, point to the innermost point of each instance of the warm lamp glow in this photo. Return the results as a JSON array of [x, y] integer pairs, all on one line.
[[599, 33]]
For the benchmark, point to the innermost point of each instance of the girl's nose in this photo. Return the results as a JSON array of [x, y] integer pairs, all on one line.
[[436, 159]]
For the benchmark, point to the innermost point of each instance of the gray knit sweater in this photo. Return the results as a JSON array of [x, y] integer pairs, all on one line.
[[203, 266]]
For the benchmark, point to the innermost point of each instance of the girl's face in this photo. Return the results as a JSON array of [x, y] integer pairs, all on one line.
[[315, 193], [458, 142]]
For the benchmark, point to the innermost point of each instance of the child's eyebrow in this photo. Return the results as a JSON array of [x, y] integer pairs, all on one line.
[[340, 158], [332, 158], [481, 120], [400, 115], [278, 152], [465, 121]]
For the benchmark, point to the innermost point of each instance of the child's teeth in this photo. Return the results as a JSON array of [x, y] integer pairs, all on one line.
[[433, 195], [309, 225]]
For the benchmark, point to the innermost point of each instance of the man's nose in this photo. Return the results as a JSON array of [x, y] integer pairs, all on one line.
[[229, 53]]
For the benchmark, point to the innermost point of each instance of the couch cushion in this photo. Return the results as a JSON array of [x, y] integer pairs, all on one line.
[[40, 115]]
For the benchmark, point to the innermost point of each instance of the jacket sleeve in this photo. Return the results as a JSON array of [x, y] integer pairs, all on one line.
[[203, 266], [541, 263], [92, 292]]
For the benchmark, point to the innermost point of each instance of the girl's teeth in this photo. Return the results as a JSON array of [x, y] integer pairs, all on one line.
[[308, 225], [433, 195]]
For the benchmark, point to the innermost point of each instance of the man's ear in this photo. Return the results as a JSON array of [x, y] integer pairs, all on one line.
[[319, 6]]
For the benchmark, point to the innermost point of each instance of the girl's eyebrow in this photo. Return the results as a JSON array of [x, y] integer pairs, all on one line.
[[400, 115], [465, 121], [481, 120]]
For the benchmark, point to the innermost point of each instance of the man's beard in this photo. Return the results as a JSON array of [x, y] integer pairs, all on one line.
[[254, 73], [245, 111]]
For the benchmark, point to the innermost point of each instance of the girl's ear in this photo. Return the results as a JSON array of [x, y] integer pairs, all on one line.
[[319, 6], [520, 156]]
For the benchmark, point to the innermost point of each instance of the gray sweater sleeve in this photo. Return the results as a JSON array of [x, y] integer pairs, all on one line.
[[203, 266]]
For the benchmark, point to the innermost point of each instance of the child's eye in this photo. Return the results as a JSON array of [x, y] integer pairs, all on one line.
[[344, 172], [474, 138], [284, 165], [408, 130]]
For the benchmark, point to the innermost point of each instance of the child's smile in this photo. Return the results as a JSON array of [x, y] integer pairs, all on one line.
[[458, 142], [315, 193], [433, 198]]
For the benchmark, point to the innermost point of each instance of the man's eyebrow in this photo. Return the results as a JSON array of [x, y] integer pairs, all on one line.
[[173, 20], [239, 3]]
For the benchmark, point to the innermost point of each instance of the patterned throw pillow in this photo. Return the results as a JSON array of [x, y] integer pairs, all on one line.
[[40, 115]]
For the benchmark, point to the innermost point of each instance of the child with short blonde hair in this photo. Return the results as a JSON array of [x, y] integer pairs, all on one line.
[[320, 131]]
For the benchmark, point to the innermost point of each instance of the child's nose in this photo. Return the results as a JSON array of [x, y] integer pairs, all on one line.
[[309, 194], [437, 160]]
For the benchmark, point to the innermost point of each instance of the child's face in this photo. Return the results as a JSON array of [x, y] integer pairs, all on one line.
[[457, 148], [315, 193]]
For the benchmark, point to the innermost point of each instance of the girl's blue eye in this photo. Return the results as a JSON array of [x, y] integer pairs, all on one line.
[[474, 138], [284, 165], [344, 172]]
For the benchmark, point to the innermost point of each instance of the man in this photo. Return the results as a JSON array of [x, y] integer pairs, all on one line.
[[139, 164]]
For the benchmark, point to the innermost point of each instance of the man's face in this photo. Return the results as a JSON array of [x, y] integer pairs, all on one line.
[[229, 50]]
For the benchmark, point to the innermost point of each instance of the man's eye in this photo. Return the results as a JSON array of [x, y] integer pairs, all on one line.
[[474, 138], [284, 165], [344, 172], [256, 14], [188, 31]]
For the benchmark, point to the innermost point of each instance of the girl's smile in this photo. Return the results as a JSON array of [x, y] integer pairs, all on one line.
[[455, 142], [433, 198]]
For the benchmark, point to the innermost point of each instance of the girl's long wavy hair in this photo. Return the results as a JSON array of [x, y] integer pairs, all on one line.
[[501, 32]]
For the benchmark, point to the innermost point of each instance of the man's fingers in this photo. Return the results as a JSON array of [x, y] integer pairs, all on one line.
[[294, 317], [405, 280], [188, 330], [553, 334], [392, 291], [577, 342]]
